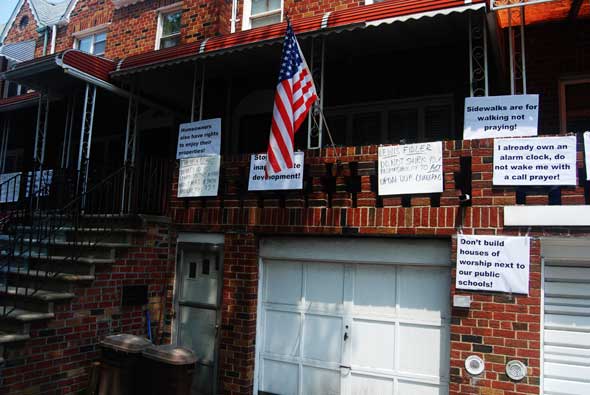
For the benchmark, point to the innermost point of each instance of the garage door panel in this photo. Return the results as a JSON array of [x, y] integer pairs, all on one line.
[[567, 320], [373, 344], [282, 331], [578, 290], [571, 355], [415, 350], [283, 282], [370, 385], [325, 284], [375, 289], [412, 388], [288, 372], [567, 371], [552, 386], [323, 338], [559, 273], [320, 381], [567, 338], [432, 301]]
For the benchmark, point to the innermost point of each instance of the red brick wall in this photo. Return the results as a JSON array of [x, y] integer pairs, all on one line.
[[340, 197], [57, 358], [85, 15]]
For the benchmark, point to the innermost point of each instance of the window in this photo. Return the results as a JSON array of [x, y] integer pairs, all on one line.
[[24, 21], [574, 108], [168, 29], [262, 12], [94, 44]]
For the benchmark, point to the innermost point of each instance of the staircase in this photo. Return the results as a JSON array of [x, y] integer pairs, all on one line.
[[46, 252]]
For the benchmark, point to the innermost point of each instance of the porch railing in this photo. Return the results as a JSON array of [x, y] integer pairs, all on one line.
[[35, 223]]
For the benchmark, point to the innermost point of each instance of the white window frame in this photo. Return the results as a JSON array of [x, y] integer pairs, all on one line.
[[562, 85], [93, 31], [162, 11], [247, 19]]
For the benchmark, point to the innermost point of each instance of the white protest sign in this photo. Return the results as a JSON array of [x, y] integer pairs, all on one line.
[[587, 153], [200, 138], [287, 179], [535, 161], [501, 116], [10, 187], [493, 263], [411, 168], [199, 176]]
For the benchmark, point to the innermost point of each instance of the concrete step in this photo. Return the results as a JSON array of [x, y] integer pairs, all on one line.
[[51, 280], [22, 315], [61, 248], [61, 263], [32, 299], [92, 234], [10, 337]]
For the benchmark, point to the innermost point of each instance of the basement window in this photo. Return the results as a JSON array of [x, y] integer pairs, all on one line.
[[169, 23], [262, 12]]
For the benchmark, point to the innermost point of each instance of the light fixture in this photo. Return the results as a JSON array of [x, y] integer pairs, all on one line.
[[516, 370], [474, 365]]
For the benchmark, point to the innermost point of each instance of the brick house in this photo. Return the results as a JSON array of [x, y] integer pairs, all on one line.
[[333, 288]]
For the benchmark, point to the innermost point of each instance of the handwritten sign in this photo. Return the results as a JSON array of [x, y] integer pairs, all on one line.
[[42, 180], [287, 179], [501, 116], [535, 161], [411, 168], [200, 138], [587, 153], [199, 176], [493, 263]]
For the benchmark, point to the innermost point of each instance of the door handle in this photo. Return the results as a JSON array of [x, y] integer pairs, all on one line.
[[345, 336]]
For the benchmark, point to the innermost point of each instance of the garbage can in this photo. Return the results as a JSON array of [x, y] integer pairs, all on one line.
[[121, 365], [170, 369]]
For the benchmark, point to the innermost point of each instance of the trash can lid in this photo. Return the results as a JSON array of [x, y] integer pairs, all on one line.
[[125, 342], [170, 354]]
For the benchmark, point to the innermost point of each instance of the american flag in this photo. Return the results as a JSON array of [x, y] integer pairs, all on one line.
[[294, 97]]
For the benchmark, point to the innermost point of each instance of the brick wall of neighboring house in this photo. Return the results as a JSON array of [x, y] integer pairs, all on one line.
[[85, 15], [57, 359], [16, 34]]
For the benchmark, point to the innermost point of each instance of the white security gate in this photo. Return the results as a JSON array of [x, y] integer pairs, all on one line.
[[566, 332], [354, 317]]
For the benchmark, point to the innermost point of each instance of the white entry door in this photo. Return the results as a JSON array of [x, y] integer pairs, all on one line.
[[353, 328], [566, 332]]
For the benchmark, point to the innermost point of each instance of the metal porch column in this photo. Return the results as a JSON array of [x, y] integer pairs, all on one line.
[[129, 154], [39, 149], [516, 46], [86, 138], [198, 92], [4, 142], [68, 133], [478, 56], [315, 121]]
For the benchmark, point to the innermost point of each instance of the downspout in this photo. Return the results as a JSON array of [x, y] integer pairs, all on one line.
[[45, 39], [234, 15], [53, 38]]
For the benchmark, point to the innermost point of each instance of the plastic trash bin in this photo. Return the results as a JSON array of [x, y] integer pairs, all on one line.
[[170, 369], [122, 364]]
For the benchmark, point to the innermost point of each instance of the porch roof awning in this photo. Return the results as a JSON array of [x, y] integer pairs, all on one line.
[[59, 73], [18, 102], [347, 19], [541, 11]]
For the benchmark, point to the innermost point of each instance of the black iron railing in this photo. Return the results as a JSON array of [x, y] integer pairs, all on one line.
[[40, 210]]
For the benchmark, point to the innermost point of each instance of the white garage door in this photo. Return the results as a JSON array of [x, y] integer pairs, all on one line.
[[566, 337], [354, 317]]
